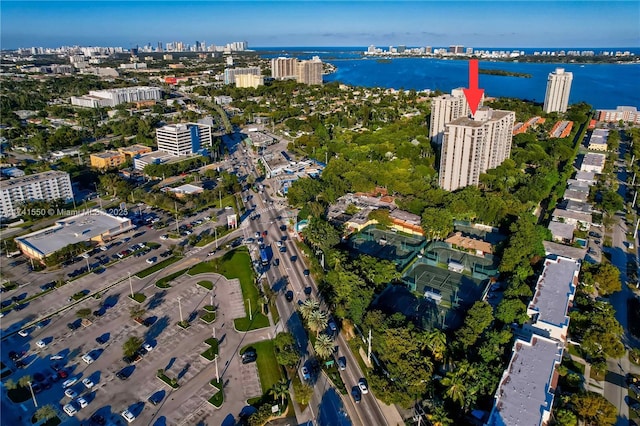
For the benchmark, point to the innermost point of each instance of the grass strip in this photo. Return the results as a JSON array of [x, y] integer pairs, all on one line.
[[158, 266]]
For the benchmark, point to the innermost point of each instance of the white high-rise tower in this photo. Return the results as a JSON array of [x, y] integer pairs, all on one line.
[[558, 87], [445, 109], [472, 146]]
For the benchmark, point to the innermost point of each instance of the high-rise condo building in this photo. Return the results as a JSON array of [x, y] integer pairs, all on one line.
[[230, 73], [283, 68], [558, 87], [472, 146], [46, 186], [310, 71], [183, 139], [445, 109]]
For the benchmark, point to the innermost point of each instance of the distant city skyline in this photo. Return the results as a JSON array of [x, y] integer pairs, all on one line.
[[287, 23]]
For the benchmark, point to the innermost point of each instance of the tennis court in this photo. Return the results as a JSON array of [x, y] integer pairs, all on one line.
[[394, 246]]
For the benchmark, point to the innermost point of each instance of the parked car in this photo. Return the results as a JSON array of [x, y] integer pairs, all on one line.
[[128, 416], [249, 356], [70, 409], [156, 398], [41, 344], [88, 383], [70, 393], [289, 296], [88, 359], [69, 382], [81, 402]]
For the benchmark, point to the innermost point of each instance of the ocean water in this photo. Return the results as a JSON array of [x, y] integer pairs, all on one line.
[[600, 85]]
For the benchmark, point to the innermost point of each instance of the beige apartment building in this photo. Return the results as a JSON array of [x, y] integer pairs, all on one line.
[[283, 68], [445, 109], [310, 71], [472, 146]]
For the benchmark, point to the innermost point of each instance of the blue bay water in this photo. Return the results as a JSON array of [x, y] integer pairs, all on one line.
[[600, 85]]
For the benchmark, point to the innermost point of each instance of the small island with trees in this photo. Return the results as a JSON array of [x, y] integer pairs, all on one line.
[[504, 73]]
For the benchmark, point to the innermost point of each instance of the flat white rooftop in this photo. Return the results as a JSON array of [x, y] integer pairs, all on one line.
[[554, 290], [82, 227], [523, 396]]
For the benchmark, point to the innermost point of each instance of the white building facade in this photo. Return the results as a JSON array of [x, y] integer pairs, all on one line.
[[113, 97], [46, 186], [474, 145], [445, 109], [283, 68], [556, 98], [183, 139]]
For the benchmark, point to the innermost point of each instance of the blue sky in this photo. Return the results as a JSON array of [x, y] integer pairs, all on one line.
[[308, 23]]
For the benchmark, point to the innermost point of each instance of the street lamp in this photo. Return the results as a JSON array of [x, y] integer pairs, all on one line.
[[33, 395], [250, 314], [180, 309], [217, 374], [130, 284]]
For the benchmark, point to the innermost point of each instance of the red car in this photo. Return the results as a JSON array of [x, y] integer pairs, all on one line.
[[63, 374]]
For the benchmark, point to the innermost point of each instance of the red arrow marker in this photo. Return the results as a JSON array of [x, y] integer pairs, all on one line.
[[473, 94]]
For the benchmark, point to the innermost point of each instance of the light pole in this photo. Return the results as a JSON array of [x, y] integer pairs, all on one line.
[[211, 297], [214, 331], [250, 314], [33, 395], [88, 266], [175, 206], [217, 374], [215, 230], [180, 309], [130, 284]]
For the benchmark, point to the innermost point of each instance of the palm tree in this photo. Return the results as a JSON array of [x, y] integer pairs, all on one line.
[[137, 312], [323, 346], [280, 390], [317, 321], [24, 381], [456, 388], [45, 412], [307, 307], [10, 384], [131, 345], [437, 344]]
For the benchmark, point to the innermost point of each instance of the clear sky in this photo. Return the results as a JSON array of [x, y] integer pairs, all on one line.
[[329, 23]]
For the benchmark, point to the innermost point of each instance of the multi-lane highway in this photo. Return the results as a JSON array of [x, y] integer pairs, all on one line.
[[291, 265]]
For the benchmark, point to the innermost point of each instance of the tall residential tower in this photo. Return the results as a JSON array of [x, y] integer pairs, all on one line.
[[558, 87], [472, 146], [445, 109], [310, 71]]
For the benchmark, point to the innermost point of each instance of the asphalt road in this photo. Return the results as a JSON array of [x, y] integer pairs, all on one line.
[[367, 412]]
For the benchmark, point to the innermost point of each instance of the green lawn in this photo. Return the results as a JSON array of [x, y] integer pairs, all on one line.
[[268, 369], [237, 264], [138, 297], [573, 365], [206, 284], [158, 266], [208, 317], [168, 278], [218, 398]]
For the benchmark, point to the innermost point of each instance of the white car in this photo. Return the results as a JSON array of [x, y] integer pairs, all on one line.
[[70, 409], [69, 382], [82, 402], [151, 260], [87, 383], [164, 237], [23, 333], [88, 359], [85, 255], [147, 347], [128, 416], [56, 357], [363, 387], [41, 344], [70, 393]]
